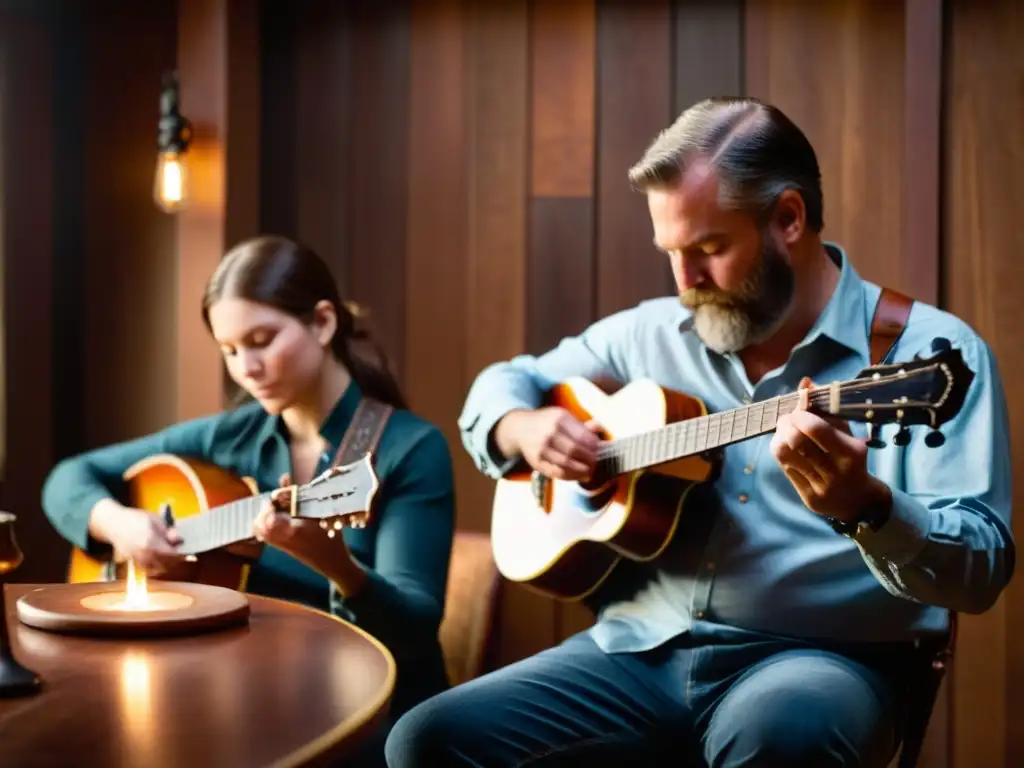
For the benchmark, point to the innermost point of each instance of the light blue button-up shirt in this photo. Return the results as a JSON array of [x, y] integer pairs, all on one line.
[[748, 552]]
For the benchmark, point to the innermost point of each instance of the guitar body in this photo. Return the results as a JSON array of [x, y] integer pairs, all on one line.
[[190, 487], [564, 539]]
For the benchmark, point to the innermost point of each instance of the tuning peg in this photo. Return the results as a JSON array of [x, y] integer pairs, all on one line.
[[902, 437], [874, 441], [934, 439], [940, 345]]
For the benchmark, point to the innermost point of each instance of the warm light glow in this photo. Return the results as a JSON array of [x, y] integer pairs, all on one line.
[[171, 188], [136, 596], [137, 711]]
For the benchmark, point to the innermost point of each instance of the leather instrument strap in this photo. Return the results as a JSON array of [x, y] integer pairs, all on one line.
[[890, 319], [363, 432]]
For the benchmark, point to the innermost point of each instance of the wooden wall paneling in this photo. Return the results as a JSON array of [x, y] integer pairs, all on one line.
[[708, 56], [26, 212], [921, 257], [279, 142], [497, 148], [922, 127], [129, 265], [984, 165], [69, 222], [708, 50], [378, 162], [323, 131], [634, 60], [561, 284], [796, 54], [563, 44], [218, 65]]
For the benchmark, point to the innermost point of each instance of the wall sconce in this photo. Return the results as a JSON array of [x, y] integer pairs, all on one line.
[[170, 190]]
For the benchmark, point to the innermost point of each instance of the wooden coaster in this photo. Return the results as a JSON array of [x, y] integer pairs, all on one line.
[[98, 609]]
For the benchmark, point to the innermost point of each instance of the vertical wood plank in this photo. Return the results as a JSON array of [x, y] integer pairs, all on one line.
[[377, 211], [26, 112], [922, 252], [128, 303], [708, 49], [498, 89], [984, 165], [796, 53], [278, 122], [497, 148], [563, 93], [634, 71], [323, 131], [435, 350], [922, 126]]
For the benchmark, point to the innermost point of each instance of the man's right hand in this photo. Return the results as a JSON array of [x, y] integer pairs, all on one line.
[[551, 440], [138, 535]]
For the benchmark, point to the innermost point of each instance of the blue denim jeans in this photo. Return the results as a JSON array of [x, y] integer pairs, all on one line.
[[717, 696]]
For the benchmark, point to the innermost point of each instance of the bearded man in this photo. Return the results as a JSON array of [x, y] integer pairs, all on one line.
[[779, 625]]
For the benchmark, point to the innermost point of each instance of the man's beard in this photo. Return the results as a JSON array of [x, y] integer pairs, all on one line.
[[729, 322]]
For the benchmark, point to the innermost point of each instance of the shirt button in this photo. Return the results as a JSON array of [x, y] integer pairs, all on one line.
[[748, 470], [743, 498], [699, 614]]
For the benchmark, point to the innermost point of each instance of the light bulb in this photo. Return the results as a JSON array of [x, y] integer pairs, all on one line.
[[170, 190]]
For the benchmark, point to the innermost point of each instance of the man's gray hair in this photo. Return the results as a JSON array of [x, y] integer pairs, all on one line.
[[756, 150]]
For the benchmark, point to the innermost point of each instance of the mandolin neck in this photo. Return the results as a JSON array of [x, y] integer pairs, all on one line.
[[693, 436], [220, 526]]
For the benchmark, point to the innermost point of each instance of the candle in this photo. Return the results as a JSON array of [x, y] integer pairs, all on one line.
[[136, 596]]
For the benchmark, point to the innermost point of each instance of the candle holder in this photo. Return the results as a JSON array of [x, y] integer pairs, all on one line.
[[15, 679]]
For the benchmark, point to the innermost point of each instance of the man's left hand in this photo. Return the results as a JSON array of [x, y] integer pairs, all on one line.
[[826, 464]]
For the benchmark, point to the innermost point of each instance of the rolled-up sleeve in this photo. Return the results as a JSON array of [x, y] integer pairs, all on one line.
[[601, 351], [949, 541]]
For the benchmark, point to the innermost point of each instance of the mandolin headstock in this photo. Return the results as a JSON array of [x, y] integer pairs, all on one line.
[[341, 496], [925, 391]]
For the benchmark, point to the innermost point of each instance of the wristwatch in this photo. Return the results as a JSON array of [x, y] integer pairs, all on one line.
[[872, 519]]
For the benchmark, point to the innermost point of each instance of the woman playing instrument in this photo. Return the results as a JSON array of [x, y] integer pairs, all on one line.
[[289, 342]]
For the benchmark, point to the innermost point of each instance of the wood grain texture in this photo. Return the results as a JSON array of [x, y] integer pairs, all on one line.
[[323, 132], [922, 150], [497, 149], [435, 350], [378, 119], [127, 702], [634, 55], [796, 55], [984, 166], [26, 211], [119, 325], [708, 48], [563, 92]]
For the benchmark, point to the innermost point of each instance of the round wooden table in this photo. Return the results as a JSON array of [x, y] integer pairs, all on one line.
[[294, 687]]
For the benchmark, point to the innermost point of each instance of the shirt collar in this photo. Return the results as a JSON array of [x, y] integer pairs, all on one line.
[[334, 426], [842, 320]]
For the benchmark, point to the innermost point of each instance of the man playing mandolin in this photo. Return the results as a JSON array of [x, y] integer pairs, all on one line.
[[797, 595]]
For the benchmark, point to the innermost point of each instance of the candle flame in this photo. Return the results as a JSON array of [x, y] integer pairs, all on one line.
[[136, 596]]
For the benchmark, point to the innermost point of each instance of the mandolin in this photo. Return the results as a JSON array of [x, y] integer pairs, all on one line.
[[563, 538], [214, 510]]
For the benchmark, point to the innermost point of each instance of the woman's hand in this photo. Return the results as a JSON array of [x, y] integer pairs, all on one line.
[[137, 535], [305, 540]]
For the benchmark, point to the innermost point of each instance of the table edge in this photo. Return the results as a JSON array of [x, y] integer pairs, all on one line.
[[331, 738]]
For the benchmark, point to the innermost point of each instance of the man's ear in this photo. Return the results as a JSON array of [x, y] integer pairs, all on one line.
[[790, 218]]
